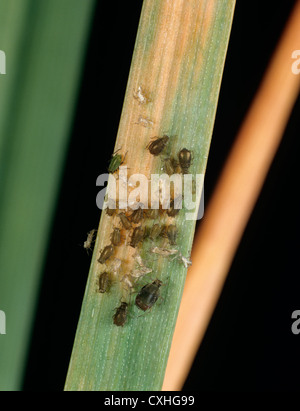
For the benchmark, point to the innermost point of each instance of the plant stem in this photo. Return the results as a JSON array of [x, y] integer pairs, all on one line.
[[172, 89]]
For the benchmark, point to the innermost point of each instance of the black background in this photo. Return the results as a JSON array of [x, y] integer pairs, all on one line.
[[249, 345]]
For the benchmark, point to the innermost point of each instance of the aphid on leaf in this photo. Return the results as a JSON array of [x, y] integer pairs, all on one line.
[[125, 222], [115, 162], [120, 316], [176, 166], [106, 253], [168, 166], [89, 241], [156, 147], [110, 211], [137, 236], [185, 159], [148, 295], [152, 213], [172, 233], [172, 211], [116, 237], [155, 231], [104, 282], [137, 215]]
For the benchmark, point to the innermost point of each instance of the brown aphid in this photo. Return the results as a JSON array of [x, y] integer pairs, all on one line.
[[148, 295], [171, 166], [185, 159], [171, 231], [152, 213], [176, 166], [110, 211], [172, 211], [89, 241], [125, 222], [163, 231], [137, 215], [104, 282], [155, 231], [120, 316], [106, 253], [116, 237], [168, 166], [156, 147], [137, 236]]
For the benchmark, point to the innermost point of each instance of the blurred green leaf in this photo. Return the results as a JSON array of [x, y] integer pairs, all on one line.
[[44, 42]]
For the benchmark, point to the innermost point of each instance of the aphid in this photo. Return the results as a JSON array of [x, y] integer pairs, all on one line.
[[137, 236], [148, 295], [120, 316], [152, 213], [164, 252], [168, 166], [171, 231], [88, 242], [172, 211], [116, 237], [137, 215], [176, 166], [110, 211], [124, 220], [156, 147], [155, 231], [106, 253], [185, 159], [104, 282], [115, 162]]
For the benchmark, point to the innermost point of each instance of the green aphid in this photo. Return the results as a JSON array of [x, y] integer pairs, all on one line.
[[171, 233], [115, 162], [156, 229]]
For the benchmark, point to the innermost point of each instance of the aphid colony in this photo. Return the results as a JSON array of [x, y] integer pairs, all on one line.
[[138, 226], [134, 227]]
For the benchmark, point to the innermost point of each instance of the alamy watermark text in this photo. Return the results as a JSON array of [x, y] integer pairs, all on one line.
[[2, 62], [2, 322]]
